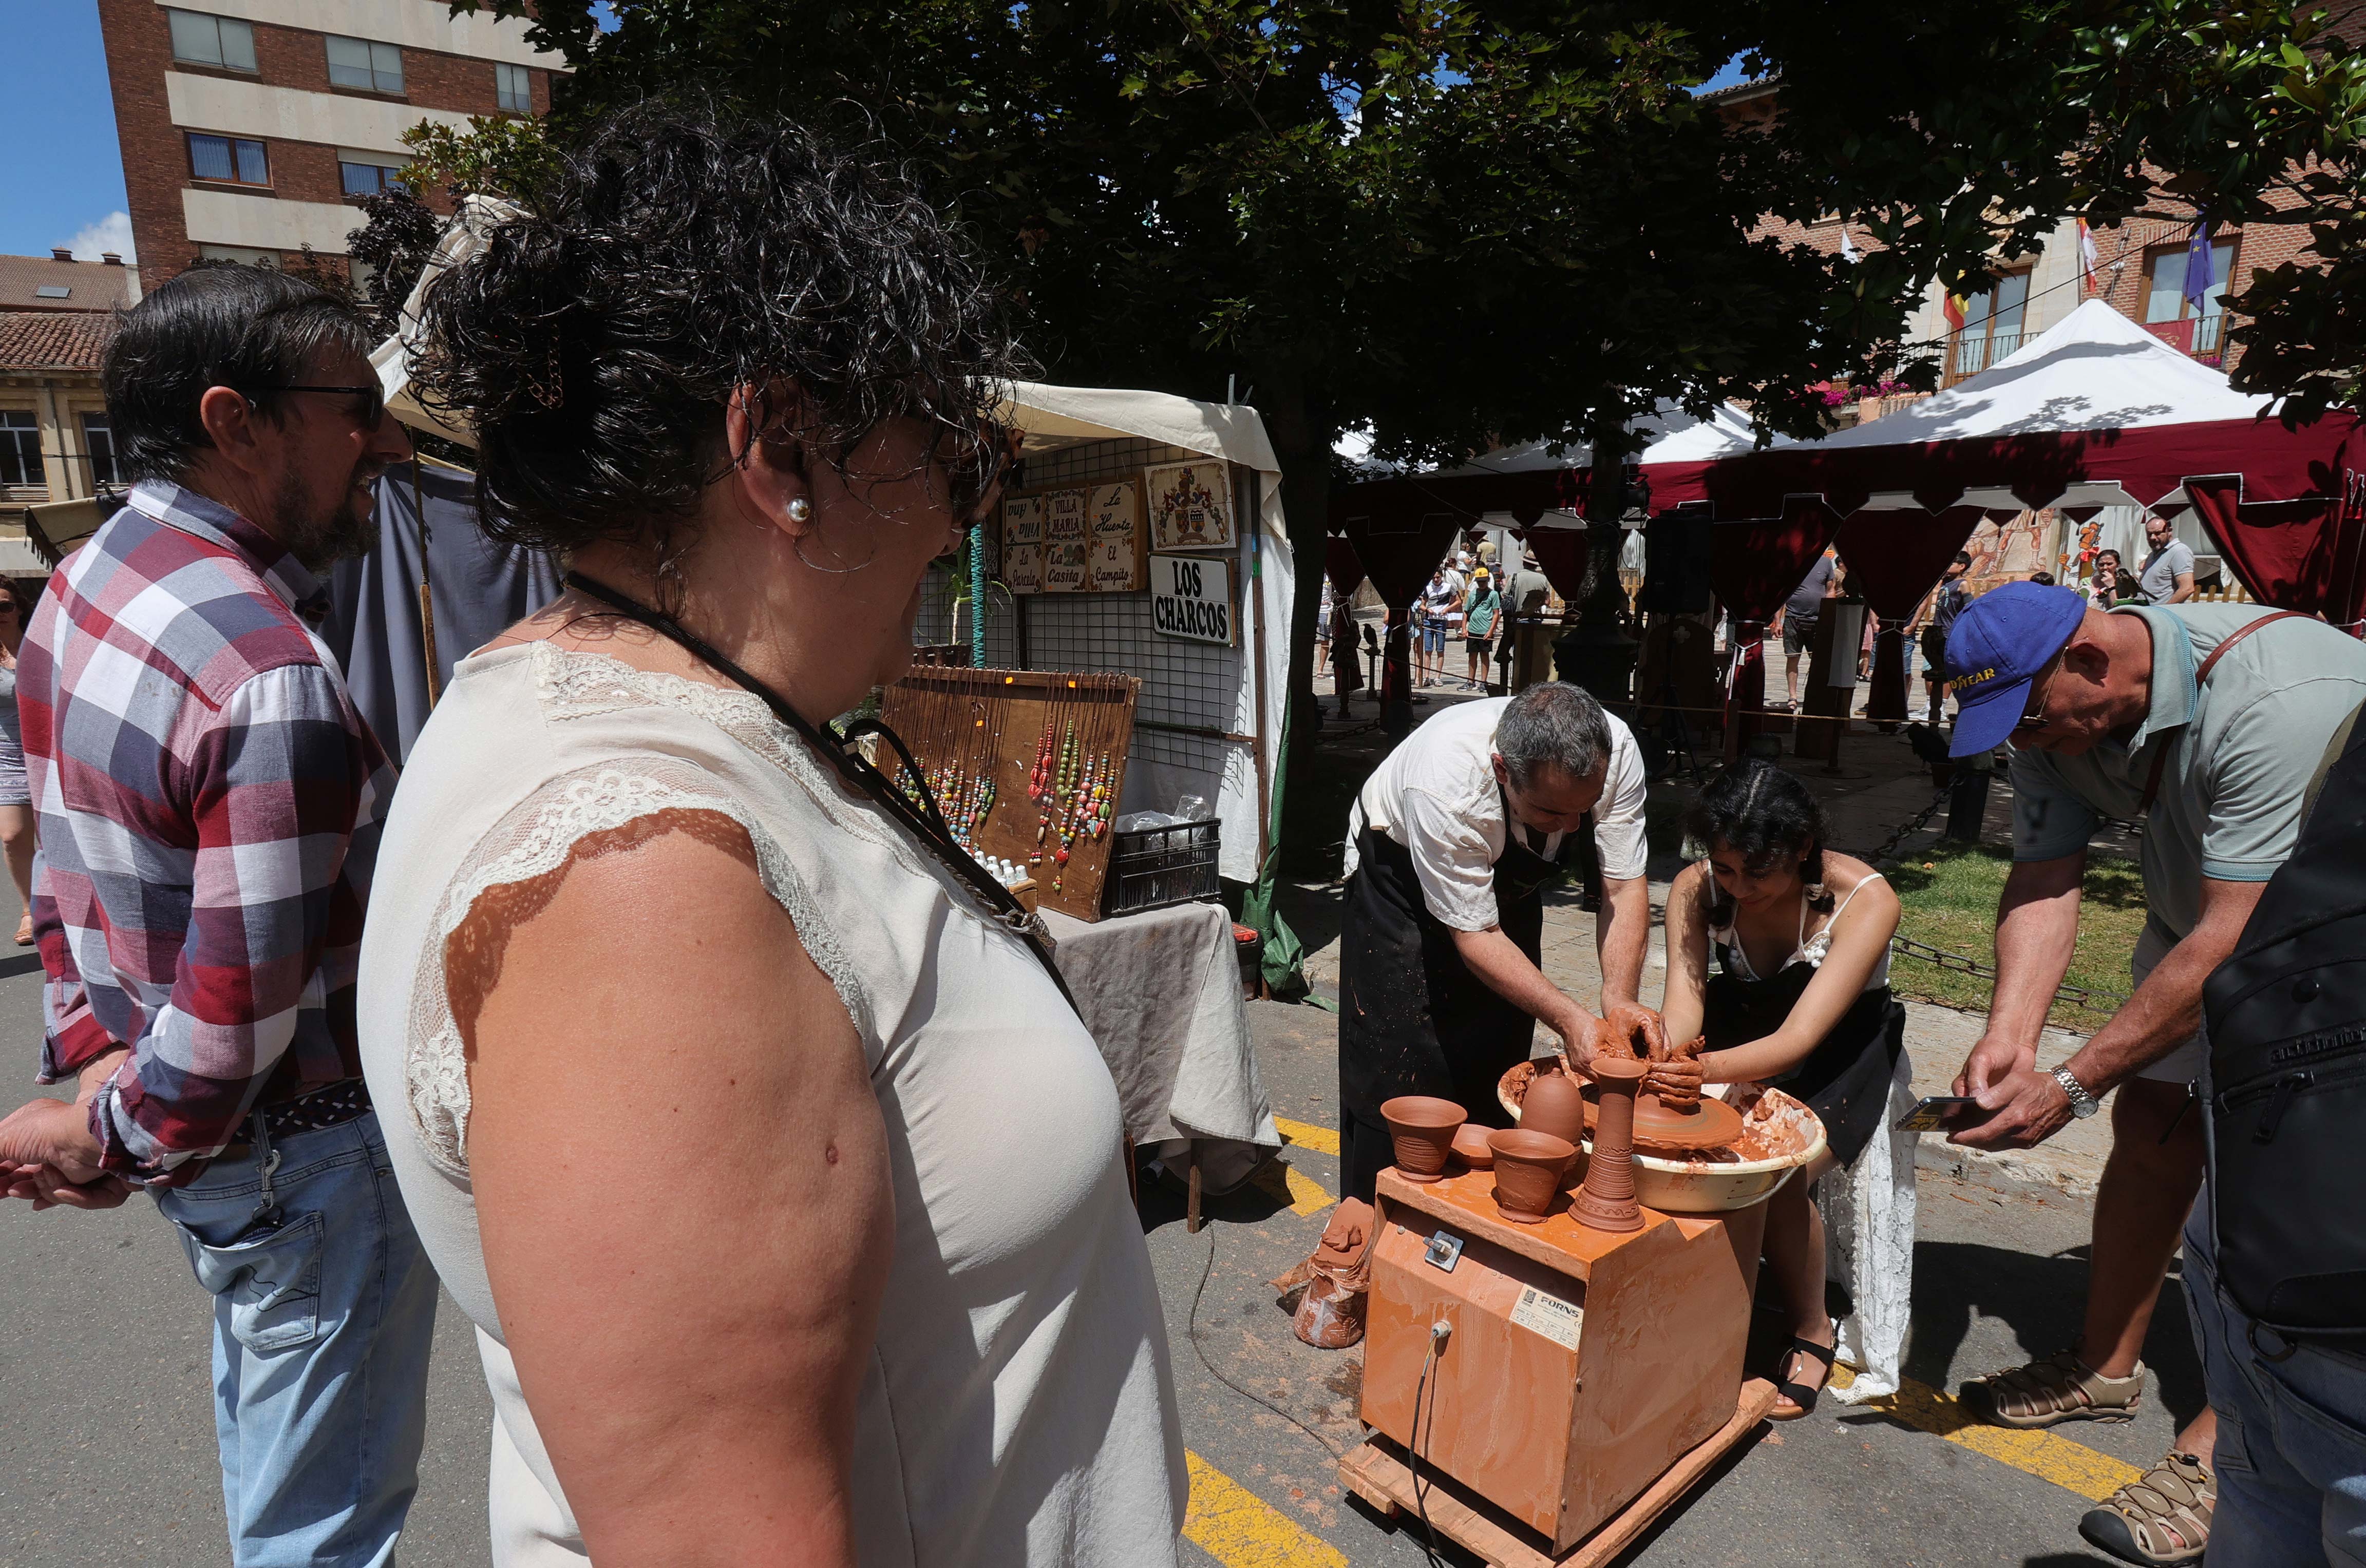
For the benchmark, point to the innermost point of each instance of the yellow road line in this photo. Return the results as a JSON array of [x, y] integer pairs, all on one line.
[[1284, 1182], [1240, 1529], [2073, 1466], [1306, 1134], [1306, 1196]]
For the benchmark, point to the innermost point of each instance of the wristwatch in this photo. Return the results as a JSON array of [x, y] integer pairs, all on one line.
[[2082, 1105]]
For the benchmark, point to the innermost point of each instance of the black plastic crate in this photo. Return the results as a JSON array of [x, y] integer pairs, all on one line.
[[1153, 867]]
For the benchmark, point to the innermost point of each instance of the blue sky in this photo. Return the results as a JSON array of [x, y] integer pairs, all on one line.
[[65, 176]]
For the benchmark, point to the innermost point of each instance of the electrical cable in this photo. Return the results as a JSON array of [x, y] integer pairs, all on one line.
[[1192, 1330], [1413, 1449]]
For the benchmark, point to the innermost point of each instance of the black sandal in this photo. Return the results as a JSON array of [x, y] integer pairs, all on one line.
[[1799, 1395]]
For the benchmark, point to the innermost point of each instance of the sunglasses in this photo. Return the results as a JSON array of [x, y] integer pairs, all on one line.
[[373, 397], [2033, 718]]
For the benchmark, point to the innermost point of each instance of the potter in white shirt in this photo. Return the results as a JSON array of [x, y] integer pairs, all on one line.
[[1436, 795]]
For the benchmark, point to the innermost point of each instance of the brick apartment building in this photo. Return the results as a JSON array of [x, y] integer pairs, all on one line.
[[248, 126]]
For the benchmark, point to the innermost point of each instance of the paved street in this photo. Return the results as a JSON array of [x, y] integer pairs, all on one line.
[[103, 1385]]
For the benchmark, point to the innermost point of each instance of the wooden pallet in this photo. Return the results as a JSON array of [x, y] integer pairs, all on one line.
[[1377, 1473]]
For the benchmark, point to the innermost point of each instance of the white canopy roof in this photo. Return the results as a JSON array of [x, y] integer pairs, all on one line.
[[2094, 370], [1675, 437]]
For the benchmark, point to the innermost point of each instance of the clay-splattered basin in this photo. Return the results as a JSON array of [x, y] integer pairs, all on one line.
[[1422, 1129], [1779, 1135]]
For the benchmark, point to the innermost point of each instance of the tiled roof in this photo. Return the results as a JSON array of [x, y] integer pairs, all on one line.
[[53, 339], [89, 285]]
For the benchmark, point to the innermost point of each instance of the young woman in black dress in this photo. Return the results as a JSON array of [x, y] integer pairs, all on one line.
[[1798, 997]]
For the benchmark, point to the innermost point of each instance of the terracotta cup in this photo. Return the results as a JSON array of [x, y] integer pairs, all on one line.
[[1423, 1131], [1529, 1168]]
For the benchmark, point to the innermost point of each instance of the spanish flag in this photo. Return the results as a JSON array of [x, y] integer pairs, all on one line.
[[2087, 258], [1953, 311]]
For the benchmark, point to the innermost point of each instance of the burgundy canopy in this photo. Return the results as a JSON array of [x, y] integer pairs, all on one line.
[[2302, 554], [1894, 557], [1399, 561], [1754, 565], [1342, 566]]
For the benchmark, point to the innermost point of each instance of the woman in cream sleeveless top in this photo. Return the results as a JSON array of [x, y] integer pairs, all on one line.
[[1017, 1407], [782, 1185]]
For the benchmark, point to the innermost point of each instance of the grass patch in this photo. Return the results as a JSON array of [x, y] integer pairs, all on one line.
[[1949, 895]]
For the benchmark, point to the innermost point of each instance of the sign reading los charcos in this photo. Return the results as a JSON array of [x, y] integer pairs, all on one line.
[[1191, 596]]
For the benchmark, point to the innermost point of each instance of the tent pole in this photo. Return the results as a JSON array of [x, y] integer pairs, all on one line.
[[1255, 532]]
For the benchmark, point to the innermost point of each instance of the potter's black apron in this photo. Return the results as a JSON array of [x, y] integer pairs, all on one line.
[[1413, 1017], [1845, 1080]]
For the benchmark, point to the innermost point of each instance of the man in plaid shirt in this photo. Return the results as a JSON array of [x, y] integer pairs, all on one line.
[[208, 802]]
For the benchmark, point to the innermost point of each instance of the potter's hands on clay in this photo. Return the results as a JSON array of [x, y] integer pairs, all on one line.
[[1677, 1080], [1581, 1034], [2024, 1108], [1635, 1029]]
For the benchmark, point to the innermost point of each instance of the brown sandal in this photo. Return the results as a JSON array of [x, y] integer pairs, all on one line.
[[2161, 1516], [2059, 1388]]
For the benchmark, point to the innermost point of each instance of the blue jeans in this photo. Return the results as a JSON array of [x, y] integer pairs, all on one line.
[[321, 1326], [2291, 1434]]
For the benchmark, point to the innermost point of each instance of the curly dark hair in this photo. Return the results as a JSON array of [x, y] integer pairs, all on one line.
[[1765, 816], [683, 252]]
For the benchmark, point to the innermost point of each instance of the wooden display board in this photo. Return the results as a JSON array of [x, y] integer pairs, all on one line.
[[967, 728], [1077, 538]]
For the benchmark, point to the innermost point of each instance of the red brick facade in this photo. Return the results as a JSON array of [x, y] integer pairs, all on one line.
[[155, 151]]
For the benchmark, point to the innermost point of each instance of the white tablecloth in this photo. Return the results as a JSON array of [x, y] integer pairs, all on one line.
[[1161, 992]]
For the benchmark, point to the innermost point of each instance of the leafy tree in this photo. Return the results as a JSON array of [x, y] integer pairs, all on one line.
[[1465, 222], [1460, 222]]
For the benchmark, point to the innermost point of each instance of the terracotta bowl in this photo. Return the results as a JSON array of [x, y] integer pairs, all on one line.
[[1470, 1145], [1423, 1129], [1528, 1168]]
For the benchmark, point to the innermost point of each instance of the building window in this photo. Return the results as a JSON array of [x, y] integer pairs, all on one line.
[[53, 291], [514, 88], [2171, 317], [358, 63], [98, 439], [240, 254], [1992, 328], [200, 39], [370, 179], [21, 448], [233, 160]]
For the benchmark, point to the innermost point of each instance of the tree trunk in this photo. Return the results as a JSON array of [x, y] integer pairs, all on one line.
[[1302, 435]]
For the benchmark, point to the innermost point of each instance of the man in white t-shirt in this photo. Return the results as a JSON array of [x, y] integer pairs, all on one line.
[[1450, 845]]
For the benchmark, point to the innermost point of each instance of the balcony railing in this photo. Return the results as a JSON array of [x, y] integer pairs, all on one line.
[[1972, 352], [2204, 336]]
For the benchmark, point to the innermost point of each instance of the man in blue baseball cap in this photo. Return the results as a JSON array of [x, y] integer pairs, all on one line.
[[2210, 723]]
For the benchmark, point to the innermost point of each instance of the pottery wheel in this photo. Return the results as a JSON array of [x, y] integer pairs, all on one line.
[[1713, 1124]]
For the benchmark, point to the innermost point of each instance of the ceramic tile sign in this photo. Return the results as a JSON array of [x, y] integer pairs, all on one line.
[[1022, 567], [1190, 504], [1067, 567], [1114, 522], [1023, 519], [1063, 516], [1191, 596]]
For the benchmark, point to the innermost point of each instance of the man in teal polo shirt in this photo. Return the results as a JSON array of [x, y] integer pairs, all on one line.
[[2111, 715]]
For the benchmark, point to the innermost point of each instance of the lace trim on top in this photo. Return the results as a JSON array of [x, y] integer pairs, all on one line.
[[534, 838]]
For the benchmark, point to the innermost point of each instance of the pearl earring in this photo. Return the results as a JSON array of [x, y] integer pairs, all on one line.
[[800, 509]]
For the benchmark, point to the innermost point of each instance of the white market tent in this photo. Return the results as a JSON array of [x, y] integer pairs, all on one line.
[[1208, 721], [2095, 413]]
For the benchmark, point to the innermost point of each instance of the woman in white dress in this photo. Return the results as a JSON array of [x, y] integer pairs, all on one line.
[[740, 1110]]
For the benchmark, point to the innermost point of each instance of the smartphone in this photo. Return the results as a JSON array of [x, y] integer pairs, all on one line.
[[1931, 1115]]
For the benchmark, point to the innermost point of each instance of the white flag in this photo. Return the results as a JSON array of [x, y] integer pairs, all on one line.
[[1848, 246]]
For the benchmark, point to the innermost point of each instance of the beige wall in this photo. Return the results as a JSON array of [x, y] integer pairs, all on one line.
[[58, 403]]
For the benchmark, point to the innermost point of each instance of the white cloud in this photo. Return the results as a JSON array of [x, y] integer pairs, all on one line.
[[112, 232]]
